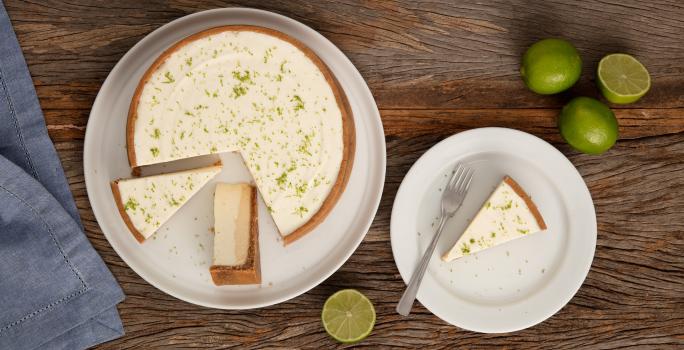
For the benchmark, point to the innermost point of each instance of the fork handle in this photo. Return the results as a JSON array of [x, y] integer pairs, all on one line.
[[406, 301]]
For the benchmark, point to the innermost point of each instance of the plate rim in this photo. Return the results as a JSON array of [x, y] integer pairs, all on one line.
[[556, 153], [364, 90]]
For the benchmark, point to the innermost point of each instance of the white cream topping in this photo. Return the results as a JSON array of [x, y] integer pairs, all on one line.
[[247, 92], [232, 213], [150, 201], [504, 217]]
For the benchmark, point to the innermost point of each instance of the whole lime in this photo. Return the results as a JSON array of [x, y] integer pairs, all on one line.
[[588, 125], [550, 66]]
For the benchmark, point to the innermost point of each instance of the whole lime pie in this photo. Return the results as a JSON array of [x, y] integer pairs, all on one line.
[[258, 92]]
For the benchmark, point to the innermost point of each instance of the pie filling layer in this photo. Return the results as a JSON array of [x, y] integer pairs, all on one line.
[[252, 93]]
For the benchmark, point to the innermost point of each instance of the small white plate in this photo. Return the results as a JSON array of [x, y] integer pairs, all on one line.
[[512, 286], [177, 259]]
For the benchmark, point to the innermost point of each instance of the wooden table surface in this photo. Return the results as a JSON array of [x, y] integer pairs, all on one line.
[[435, 68]]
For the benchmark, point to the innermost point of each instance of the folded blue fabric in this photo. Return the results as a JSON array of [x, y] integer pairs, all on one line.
[[55, 290]]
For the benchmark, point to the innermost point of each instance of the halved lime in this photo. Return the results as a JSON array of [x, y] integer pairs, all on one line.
[[622, 79], [348, 316]]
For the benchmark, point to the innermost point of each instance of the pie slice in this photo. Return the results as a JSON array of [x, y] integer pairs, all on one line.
[[147, 202], [236, 240], [508, 213]]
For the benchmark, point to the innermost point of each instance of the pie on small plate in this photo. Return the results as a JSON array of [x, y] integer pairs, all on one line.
[[510, 286]]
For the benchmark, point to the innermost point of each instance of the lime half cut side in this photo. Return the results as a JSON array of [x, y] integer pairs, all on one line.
[[622, 79], [348, 316]]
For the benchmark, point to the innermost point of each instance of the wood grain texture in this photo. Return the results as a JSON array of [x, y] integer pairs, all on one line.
[[435, 68]]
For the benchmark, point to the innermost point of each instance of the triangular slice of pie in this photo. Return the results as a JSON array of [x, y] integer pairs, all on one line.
[[508, 213], [147, 202]]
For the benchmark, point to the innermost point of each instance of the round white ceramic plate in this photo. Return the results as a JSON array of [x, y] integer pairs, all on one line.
[[177, 259], [514, 285]]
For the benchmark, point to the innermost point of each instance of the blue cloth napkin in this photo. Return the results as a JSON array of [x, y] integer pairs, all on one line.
[[55, 290]]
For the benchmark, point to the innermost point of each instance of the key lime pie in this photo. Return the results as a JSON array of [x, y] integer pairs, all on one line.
[[236, 235], [145, 203], [258, 92], [508, 213]]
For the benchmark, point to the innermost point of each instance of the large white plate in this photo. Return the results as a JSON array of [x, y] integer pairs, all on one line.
[[177, 260], [511, 286]]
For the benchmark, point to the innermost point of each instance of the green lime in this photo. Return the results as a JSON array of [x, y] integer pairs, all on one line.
[[550, 66], [348, 316], [622, 79], [588, 125]]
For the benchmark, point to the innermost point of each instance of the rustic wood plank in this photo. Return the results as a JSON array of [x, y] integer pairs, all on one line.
[[541, 122], [437, 55], [435, 68], [66, 125]]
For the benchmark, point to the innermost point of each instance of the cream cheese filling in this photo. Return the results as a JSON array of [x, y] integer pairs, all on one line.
[[252, 93], [232, 214]]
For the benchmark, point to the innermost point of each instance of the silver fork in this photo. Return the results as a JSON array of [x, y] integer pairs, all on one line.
[[452, 198]]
